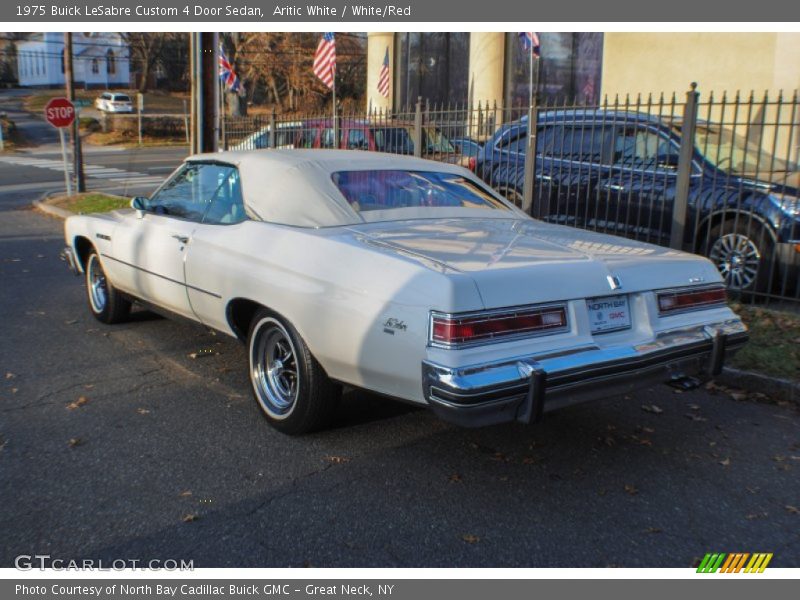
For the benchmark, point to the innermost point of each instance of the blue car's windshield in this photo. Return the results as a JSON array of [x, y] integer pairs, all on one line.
[[735, 154]]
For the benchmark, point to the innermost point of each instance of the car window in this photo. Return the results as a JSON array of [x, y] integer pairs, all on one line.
[[227, 206], [189, 193], [581, 143], [284, 137], [396, 140], [640, 148], [306, 138], [106, 96], [122, 98], [393, 189], [357, 140]]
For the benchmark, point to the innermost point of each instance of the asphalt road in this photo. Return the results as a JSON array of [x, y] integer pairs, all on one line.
[[116, 443]]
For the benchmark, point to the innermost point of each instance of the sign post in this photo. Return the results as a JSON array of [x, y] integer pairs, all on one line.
[[60, 113], [140, 110]]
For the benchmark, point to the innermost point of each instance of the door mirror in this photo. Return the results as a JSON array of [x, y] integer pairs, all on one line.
[[139, 204]]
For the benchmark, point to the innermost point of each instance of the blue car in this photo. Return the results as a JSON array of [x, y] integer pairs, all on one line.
[[617, 172]]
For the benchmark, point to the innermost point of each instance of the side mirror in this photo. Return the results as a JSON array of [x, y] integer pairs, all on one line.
[[139, 204]]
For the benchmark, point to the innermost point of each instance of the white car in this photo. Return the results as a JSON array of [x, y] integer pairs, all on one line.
[[285, 134], [406, 277], [114, 103]]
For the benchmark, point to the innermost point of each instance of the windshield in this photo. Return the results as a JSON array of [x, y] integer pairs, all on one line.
[[390, 189], [734, 154]]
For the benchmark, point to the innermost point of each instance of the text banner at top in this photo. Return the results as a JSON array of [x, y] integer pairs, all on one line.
[[261, 11]]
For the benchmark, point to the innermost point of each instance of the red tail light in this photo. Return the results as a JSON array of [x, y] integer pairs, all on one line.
[[690, 299], [454, 330], [473, 163]]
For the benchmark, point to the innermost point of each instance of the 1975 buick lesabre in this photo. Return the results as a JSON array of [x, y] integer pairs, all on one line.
[[402, 276]]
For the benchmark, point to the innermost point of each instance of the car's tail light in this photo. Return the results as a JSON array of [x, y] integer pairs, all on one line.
[[472, 163], [672, 301], [455, 330]]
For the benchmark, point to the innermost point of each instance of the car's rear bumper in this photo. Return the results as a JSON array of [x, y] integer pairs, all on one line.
[[523, 388]]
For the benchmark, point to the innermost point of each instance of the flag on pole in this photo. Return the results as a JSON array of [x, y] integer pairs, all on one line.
[[325, 59], [226, 72], [383, 77], [530, 41]]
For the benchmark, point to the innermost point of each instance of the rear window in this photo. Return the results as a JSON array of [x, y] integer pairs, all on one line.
[[122, 98], [389, 189]]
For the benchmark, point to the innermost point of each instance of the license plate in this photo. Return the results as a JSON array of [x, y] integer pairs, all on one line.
[[609, 313]]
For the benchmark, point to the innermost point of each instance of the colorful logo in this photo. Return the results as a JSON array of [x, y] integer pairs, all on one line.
[[715, 562]]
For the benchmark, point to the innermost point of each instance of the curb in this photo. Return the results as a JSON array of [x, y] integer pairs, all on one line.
[[777, 389], [47, 208]]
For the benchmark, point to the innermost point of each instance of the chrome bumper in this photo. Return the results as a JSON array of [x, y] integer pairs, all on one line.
[[523, 388], [68, 256]]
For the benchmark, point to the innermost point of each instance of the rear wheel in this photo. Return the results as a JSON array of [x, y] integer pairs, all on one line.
[[106, 303], [291, 388], [743, 254]]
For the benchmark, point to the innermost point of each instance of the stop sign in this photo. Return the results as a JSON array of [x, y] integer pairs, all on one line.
[[59, 112]]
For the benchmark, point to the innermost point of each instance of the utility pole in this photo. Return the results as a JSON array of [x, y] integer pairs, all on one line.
[[69, 83], [205, 92]]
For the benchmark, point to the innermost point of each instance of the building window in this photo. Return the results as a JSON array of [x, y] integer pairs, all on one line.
[[111, 63], [569, 69], [432, 65], [95, 66]]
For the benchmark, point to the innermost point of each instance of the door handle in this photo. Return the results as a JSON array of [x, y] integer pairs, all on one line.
[[183, 239]]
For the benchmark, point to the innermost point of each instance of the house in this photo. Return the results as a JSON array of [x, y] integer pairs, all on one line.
[[100, 60]]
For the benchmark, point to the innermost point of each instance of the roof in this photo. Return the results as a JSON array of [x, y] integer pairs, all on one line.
[[294, 187]]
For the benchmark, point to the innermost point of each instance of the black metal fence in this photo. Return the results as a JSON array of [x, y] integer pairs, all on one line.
[[716, 175]]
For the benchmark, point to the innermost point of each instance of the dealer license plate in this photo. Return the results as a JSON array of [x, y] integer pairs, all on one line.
[[609, 313]]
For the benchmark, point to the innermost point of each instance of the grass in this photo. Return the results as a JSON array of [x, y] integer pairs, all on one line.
[[154, 101], [774, 346], [90, 202]]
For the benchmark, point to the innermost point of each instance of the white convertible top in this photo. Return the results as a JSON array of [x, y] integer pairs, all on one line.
[[294, 187]]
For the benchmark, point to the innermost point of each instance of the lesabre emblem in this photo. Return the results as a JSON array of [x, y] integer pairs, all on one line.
[[613, 282]]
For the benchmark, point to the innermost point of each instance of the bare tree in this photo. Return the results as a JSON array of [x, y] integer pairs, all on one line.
[[146, 51]]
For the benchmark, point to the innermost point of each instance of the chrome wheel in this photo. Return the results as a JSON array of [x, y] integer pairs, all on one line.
[[273, 368], [96, 282], [737, 257]]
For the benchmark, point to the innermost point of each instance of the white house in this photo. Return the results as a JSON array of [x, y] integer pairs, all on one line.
[[100, 60]]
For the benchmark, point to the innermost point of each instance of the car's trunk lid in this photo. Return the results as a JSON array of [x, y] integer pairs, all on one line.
[[515, 262]]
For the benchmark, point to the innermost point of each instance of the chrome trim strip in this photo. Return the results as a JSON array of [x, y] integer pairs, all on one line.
[[186, 285]]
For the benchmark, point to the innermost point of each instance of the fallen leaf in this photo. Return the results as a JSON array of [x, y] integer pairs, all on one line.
[[77, 403], [758, 515], [185, 494], [455, 478], [189, 517], [725, 462], [653, 530], [337, 459], [695, 417], [631, 489], [142, 411], [470, 539], [530, 460], [75, 442], [10, 375], [778, 458], [71, 322], [738, 395], [652, 408], [694, 407], [792, 509], [14, 390]]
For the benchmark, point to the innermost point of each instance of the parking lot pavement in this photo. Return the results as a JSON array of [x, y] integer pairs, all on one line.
[[141, 441]]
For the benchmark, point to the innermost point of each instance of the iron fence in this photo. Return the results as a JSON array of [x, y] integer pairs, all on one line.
[[716, 175]]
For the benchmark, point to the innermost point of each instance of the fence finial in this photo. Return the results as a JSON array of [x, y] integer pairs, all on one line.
[[693, 86]]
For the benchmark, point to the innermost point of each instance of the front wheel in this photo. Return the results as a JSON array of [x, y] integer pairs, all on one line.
[[290, 386], [106, 303], [743, 255]]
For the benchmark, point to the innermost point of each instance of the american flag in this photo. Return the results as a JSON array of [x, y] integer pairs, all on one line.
[[325, 59], [383, 77], [226, 73], [530, 41]]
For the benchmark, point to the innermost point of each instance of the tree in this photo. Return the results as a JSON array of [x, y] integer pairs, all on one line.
[[146, 51]]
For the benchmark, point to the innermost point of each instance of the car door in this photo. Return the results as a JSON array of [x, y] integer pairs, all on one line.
[[213, 260], [150, 249], [639, 188]]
